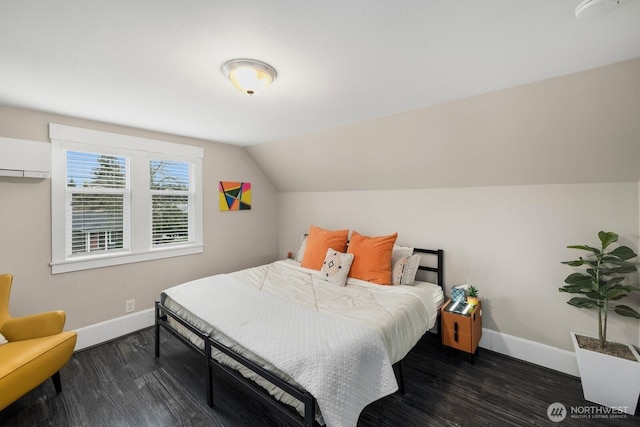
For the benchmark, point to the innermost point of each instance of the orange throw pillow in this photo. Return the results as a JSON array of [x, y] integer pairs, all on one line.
[[318, 243], [372, 257]]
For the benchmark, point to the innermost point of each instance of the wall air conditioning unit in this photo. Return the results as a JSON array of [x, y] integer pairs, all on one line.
[[25, 159]]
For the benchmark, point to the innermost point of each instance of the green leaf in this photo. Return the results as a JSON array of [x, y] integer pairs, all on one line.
[[575, 289], [595, 295], [607, 238], [626, 288], [618, 262], [576, 263], [615, 293], [626, 311], [579, 279], [582, 302], [623, 253], [611, 282], [617, 270], [585, 248]]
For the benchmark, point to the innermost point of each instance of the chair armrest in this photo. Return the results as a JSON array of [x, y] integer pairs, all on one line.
[[33, 326]]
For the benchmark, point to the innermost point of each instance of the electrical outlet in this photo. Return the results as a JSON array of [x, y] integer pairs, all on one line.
[[130, 305]]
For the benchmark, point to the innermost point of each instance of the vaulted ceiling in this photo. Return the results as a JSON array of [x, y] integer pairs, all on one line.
[[155, 64]]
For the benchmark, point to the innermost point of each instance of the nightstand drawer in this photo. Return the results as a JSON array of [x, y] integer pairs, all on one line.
[[458, 323], [458, 340]]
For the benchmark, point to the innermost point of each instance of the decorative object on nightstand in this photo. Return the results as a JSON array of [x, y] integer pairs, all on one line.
[[608, 376], [462, 326], [472, 295], [459, 293]]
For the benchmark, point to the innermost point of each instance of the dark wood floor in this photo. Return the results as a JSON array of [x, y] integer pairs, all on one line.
[[121, 383]]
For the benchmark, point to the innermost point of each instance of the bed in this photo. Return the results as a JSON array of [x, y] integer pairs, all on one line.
[[315, 352]]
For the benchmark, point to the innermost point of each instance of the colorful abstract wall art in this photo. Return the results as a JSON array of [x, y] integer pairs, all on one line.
[[235, 196]]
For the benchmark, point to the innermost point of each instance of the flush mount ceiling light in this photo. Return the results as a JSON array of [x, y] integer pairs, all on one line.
[[249, 75], [589, 8]]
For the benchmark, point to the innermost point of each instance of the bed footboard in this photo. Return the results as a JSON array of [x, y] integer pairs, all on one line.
[[161, 321]]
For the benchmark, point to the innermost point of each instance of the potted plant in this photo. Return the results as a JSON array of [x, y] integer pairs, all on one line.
[[609, 371], [472, 295]]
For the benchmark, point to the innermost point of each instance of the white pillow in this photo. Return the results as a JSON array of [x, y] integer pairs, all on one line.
[[3, 340], [400, 252], [336, 266], [405, 270], [301, 248]]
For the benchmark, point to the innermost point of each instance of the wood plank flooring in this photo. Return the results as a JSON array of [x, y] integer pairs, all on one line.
[[121, 383]]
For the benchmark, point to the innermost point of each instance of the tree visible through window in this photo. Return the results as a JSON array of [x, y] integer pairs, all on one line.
[[98, 192], [172, 200]]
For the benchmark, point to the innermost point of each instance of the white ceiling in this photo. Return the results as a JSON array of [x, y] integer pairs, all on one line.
[[154, 64]]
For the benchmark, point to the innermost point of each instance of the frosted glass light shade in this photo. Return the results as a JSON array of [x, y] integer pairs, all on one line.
[[248, 75]]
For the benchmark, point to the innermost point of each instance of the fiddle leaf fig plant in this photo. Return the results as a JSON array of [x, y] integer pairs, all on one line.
[[601, 282]]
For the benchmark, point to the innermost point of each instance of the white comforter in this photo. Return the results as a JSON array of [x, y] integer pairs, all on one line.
[[336, 342]]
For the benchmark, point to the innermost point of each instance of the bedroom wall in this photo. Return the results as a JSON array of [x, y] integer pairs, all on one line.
[[577, 128], [507, 240], [232, 240], [502, 181]]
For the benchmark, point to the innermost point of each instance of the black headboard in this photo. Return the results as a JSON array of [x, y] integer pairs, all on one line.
[[438, 269]]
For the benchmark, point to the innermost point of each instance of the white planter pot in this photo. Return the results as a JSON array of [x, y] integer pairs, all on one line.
[[609, 380]]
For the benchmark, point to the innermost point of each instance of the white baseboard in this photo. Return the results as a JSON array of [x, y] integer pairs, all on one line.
[[105, 331], [519, 348], [530, 351]]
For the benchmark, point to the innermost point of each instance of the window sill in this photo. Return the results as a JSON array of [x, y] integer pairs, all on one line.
[[120, 258]]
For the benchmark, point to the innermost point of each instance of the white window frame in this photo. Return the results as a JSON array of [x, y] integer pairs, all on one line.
[[139, 151]]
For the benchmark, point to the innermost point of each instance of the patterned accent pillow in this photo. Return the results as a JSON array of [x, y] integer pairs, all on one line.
[[301, 248], [3, 340], [400, 252], [335, 267], [405, 270]]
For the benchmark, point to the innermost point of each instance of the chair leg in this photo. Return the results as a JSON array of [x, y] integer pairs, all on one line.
[[56, 382]]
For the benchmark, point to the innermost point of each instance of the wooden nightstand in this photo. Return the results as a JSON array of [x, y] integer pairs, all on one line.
[[462, 332]]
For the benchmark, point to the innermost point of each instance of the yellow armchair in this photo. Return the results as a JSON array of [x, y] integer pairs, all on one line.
[[37, 348]]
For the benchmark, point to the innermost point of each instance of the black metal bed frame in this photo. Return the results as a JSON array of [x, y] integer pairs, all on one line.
[[162, 314]]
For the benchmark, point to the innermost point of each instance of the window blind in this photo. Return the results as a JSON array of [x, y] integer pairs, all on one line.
[[98, 203], [172, 199]]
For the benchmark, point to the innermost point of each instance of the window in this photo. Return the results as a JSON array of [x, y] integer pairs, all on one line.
[[118, 199], [171, 200], [98, 203]]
